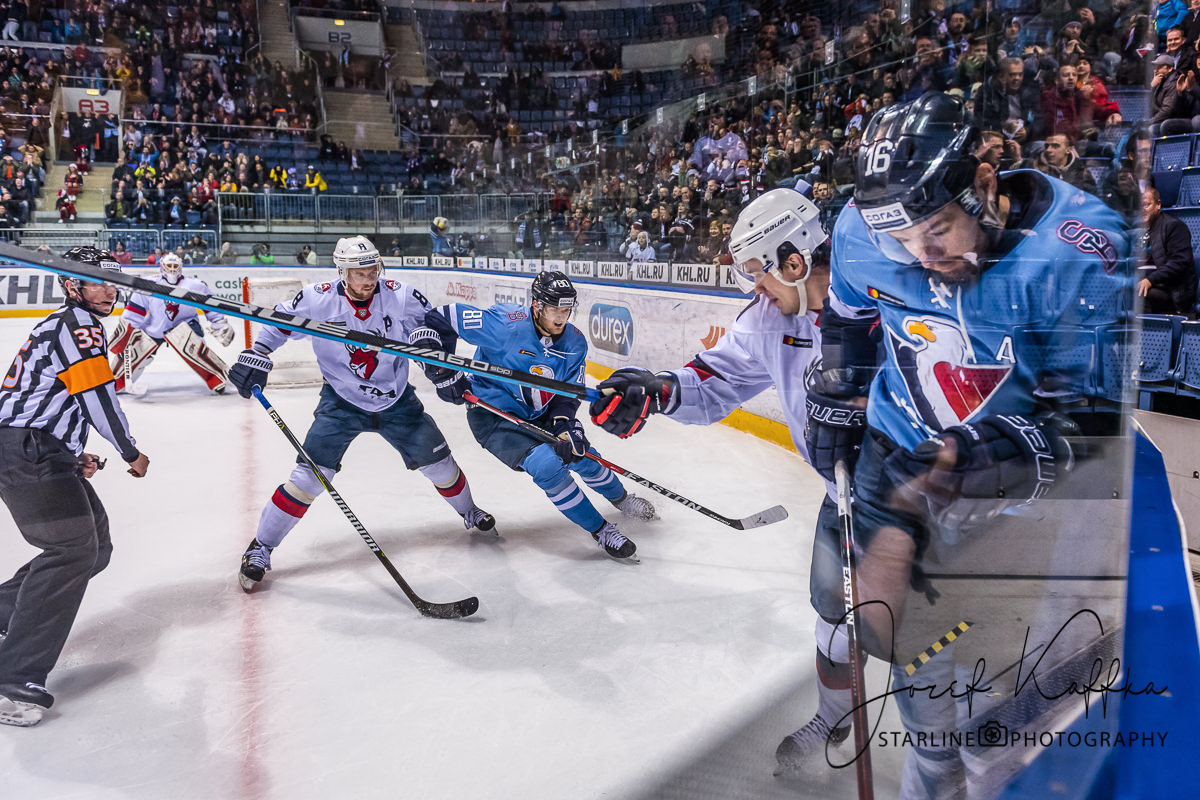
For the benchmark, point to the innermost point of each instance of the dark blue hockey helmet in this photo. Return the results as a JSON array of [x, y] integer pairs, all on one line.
[[916, 159], [553, 288]]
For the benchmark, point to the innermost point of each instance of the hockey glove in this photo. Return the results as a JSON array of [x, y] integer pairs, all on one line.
[[572, 445], [223, 334], [630, 395], [834, 426], [250, 370], [451, 384], [971, 473]]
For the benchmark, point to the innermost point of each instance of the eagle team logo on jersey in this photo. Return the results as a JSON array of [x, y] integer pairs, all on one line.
[[363, 362], [536, 398], [172, 309], [934, 358]]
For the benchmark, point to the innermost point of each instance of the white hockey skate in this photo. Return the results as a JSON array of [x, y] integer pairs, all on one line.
[[256, 561], [23, 705], [635, 507], [804, 750], [614, 543]]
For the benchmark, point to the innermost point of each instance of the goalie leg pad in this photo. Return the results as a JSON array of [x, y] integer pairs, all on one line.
[[133, 347], [207, 364]]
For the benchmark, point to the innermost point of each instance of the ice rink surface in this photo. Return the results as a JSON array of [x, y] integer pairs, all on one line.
[[579, 677]]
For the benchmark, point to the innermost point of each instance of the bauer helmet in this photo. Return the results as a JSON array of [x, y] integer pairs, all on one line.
[[553, 288], [916, 159], [355, 251], [170, 267], [777, 225], [96, 258]]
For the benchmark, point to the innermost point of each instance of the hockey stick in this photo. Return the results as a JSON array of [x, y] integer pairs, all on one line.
[[462, 608], [862, 736], [765, 517], [280, 319]]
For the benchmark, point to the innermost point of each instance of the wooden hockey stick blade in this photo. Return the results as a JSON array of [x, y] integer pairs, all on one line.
[[766, 517]]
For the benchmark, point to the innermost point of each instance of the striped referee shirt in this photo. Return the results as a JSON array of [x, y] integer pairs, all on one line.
[[61, 382]]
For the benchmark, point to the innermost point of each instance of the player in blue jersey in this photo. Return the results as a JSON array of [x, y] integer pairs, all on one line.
[[986, 291], [540, 340]]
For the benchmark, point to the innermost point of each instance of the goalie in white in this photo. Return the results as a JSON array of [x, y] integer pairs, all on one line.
[[148, 321]]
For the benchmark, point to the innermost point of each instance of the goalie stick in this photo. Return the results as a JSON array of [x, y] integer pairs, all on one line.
[[280, 319], [457, 610], [862, 734], [765, 517]]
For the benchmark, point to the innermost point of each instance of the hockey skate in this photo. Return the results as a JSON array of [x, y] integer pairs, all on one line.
[[613, 543], [479, 521], [256, 561], [635, 507], [23, 704], [804, 750]]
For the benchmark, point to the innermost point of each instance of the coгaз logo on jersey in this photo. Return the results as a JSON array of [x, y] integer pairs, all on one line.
[[363, 362], [946, 389], [172, 309]]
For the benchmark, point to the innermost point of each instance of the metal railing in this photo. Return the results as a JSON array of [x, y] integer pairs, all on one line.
[[372, 213], [139, 242]]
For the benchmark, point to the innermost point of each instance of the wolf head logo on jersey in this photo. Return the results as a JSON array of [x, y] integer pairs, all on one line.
[[363, 362], [172, 309], [934, 357]]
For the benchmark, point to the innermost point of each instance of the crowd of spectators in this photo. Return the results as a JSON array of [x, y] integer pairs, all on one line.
[[1044, 88]]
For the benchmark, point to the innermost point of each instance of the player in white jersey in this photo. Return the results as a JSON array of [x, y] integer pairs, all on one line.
[[364, 390], [58, 386], [775, 341], [149, 321]]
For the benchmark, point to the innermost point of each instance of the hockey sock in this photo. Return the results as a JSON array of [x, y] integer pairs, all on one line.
[[574, 505], [451, 484], [833, 673], [289, 503], [600, 478]]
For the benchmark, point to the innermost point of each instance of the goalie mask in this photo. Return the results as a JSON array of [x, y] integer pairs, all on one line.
[[354, 252], [74, 290], [769, 231], [171, 268]]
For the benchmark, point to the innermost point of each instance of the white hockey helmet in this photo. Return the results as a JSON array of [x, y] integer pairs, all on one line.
[[355, 251], [769, 230], [170, 267]]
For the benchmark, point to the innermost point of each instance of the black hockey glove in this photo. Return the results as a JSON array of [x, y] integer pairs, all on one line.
[[451, 384], [250, 370], [835, 423], [630, 395], [572, 444], [971, 473]]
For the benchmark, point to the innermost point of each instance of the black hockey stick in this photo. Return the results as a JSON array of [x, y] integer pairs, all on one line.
[[765, 517], [462, 608], [279, 319], [862, 733]]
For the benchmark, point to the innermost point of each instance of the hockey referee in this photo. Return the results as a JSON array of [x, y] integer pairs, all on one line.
[[59, 384]]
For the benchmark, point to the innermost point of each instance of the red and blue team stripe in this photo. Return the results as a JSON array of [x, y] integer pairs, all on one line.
[[454, 489], [134, 308], [288, 504]]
